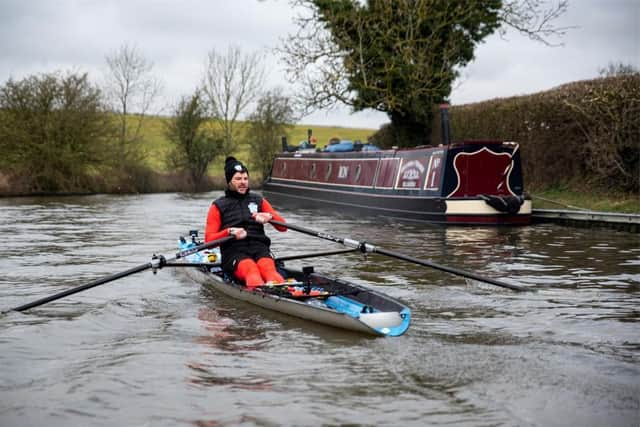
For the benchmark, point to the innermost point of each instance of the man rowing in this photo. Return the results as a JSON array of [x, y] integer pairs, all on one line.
[[242, 214]]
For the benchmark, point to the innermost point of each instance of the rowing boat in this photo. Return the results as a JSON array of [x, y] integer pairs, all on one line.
[[307, 295]]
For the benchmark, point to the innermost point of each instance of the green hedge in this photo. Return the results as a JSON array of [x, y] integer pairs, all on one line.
[[581, 134]]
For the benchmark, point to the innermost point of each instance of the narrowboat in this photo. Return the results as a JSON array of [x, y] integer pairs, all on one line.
[[464, 182]]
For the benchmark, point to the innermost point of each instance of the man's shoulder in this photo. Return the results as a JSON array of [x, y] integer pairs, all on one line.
[[219, 200]]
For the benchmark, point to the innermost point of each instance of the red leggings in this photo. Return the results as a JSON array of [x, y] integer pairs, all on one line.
[[257, 273]]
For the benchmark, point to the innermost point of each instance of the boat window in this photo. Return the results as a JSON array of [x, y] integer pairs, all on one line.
[[328, 174], [312, 171], [283, 168]]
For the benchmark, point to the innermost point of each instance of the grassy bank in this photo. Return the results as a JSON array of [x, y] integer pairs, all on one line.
[[568, 198]]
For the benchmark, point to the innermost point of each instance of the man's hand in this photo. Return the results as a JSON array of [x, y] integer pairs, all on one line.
[[262, 217], [238, 233]]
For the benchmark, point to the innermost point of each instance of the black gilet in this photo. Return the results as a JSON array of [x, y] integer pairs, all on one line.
[[235, 211]]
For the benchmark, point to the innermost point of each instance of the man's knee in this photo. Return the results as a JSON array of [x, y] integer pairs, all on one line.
[[248, 271], [268, 270]]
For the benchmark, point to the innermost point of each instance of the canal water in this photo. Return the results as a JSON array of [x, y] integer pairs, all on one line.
[[162, 350]]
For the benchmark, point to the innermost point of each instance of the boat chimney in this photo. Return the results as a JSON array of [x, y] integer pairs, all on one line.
[[284, 144], [309, 133], [444, 124]]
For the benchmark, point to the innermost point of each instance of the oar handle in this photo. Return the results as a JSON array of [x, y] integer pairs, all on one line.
[[203, 246]]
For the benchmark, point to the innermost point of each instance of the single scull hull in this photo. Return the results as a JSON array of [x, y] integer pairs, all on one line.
[[340, 304]]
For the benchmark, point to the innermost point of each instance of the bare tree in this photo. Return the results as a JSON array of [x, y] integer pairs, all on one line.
[[132, 89], [536, 19], [232, 81], [614, 69]]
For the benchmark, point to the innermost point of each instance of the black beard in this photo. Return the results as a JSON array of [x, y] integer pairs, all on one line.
[[233, 193]]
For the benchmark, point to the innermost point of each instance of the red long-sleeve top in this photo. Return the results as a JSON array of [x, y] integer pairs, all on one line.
[[212, 229]]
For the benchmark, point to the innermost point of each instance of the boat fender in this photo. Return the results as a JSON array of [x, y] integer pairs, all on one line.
[[506, 204]]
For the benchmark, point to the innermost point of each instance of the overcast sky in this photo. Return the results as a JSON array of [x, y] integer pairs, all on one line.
[[75, 35]]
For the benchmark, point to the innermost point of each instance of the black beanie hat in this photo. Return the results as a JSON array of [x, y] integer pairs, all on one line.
[[231, 166]]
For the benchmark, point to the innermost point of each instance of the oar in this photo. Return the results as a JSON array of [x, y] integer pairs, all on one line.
[[156, 262], [280, 258], [367, 247], [315, 254]]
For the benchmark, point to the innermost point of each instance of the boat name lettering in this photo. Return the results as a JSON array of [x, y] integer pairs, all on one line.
[[411, 173], [433, 171], [413, 169], [343, 171]]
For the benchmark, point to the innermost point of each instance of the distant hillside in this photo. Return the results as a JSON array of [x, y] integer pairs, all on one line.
[[157, 146]]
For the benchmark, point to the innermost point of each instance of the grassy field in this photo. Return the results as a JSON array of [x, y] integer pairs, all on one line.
[[324, 134], [157, 146]]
